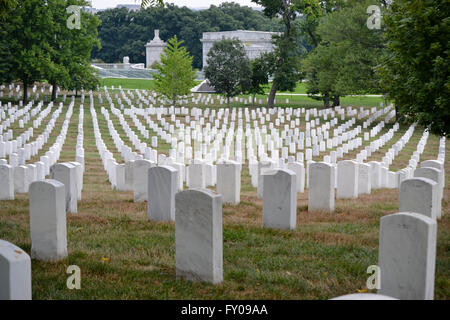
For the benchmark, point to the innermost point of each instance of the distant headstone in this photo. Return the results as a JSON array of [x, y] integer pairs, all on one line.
[[66, 174], [280, 199], [321, 187], [419, 195], [140, 179], [364, 179], [7, 182], [162, 186], [229, 181], [299, 170], [347, 177]]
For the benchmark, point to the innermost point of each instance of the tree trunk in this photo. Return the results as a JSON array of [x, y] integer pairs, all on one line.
[[228, 101], [25, 91], [326, 100], [336, 101], [53, 91], [253, 101], [273, 92]]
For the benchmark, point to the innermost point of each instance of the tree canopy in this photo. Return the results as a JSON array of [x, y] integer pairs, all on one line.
[[415, 72], [228, 69], [345, 59], [125, 33], [176, 76]]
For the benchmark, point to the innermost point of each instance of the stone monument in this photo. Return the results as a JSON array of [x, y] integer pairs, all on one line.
[[154, 49]]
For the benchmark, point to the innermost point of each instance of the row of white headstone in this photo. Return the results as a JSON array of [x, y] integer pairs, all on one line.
[[407, 250]]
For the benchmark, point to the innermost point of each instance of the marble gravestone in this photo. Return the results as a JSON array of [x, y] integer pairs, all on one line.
[[262, 167], [6, 182], [196, 176], [375, 174], [321, 187], [419, 195], [299, 170], [21, 183], [364, 179], [280, 199], [48, 220], [198, 236], [129, 168], [140, 179], [435, 175], [162, 186], [407, 256], [347, 179], [66, 174], [15, 272], [229, 181]]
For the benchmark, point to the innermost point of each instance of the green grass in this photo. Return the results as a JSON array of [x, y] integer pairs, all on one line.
[[122, 255]]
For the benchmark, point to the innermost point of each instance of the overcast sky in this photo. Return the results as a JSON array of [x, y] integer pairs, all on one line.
[[102, 4]]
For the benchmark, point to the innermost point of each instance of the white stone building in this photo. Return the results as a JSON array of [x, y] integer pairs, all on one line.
[[154, 49], [255, 42]]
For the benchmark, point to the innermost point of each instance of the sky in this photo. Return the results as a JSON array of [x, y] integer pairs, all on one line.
[[103, 4]]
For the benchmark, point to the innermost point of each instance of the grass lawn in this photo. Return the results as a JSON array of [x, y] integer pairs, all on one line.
[[122, 255]]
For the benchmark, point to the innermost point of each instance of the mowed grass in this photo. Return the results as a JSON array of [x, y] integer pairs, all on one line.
[[122, 255]]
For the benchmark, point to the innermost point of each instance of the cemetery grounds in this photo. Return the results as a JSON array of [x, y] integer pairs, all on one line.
[[122, 255]]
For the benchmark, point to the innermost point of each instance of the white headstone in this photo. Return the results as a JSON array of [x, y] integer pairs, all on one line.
[[407, 255], [162, 186], [229, 181], [347, 179], [280, 199], [419, 195], [15, 272], [198, 236], [321, 187], [6, 182], [48, 220], [140, 179]]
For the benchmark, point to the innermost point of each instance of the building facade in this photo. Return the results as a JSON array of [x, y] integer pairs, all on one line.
[[255, 42]]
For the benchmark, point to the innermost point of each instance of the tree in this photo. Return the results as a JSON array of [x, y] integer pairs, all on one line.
[[176, 76], [260, 70], [28, 27], [146, 3], [344, 61], [286, 67], [415, 72], [228, 69], [6, 6], [71, 48]]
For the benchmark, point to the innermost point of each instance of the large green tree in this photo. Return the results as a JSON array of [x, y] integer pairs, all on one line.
[[71, 47], [175, 75], [415, 72], [286, 54], [228, 69], [27, 28], [344, 61], [260, 70]]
